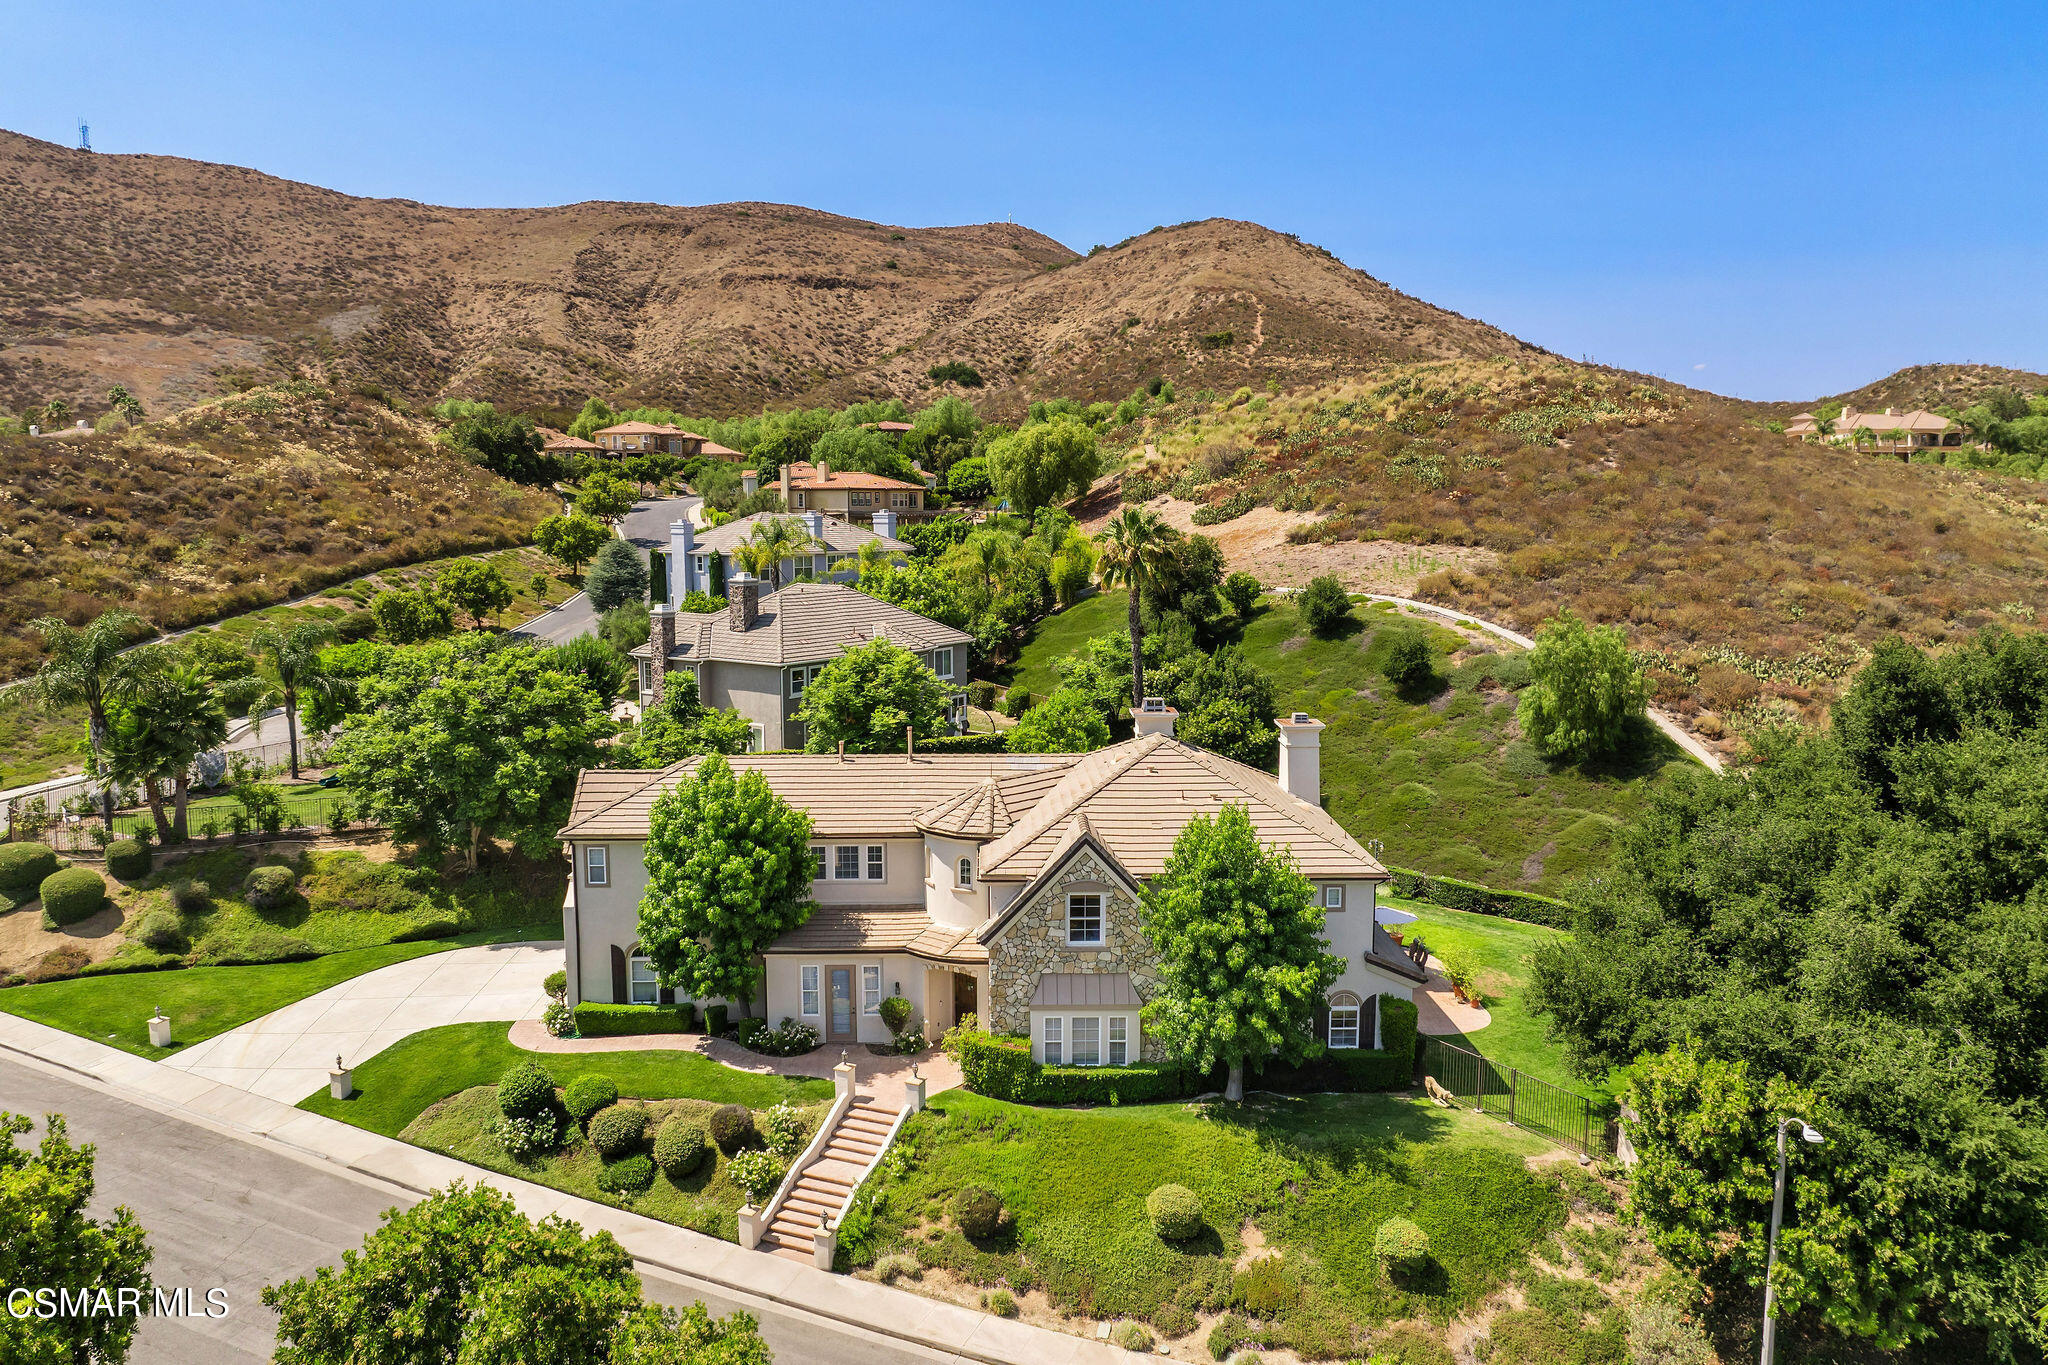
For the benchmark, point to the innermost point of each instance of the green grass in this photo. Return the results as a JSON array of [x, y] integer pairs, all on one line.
[[308, 801], [1444, 781], [399, 1084], [1316, 1175]]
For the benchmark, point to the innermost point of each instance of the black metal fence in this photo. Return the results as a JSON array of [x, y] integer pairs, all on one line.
[[1547, 1110]]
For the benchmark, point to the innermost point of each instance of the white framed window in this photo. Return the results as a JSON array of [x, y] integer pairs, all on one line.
[[1087, 1046], [878, 867], [1119, 1040], [871, 990], [966, 872], [800, 499], [757, 738], [1333, 898], [1053, 1052], [903, 499], [1084, 920], [942, 662], [817, 862], [810, 989], [1343, 1026], [597, 865], [846, 863], [642, 986]]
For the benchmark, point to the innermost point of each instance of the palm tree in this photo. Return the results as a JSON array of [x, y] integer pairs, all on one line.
[[1901, 442], [780, 538], [93, 668], [1823, 427], [172, 721], [1137, 548], [288, 662]]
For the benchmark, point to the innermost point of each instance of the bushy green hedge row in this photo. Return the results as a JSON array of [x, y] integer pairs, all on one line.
[[23, 867], [996, 743], [1480, 900], [619, 1021], [1391, 1067]]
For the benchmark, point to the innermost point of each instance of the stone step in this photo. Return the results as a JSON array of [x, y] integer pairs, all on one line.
[[852, 1156], [858, 1141], [789, 1253], [875, 1111], [795, 1234], [811, 1202]]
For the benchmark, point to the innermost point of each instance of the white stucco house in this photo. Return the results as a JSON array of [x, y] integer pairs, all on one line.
[[1005, 885]]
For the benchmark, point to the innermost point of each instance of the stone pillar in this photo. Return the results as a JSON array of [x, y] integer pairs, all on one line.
[[824, 1246], [661, 642], [341, 1080], [913, 1092], [159, 1029], [842, 1079], [753, 1223]]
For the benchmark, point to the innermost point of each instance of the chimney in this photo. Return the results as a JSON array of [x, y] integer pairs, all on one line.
[[1155, 717], [885, 523], [814, 522], [661, 642], [750, 481], [1301, 757], [824, 470], [742, 600], [682, 557]]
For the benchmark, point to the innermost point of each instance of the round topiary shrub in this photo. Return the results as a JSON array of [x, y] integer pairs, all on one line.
[[23, 868], [1401, 1246], [269, 887], [159, 929], [978, 1210], [617, 1129], [191, 897], [128, 860], [588, 1094], [71, 895], [679, 1147], [1175, 1212], [895, 1012], [526, 1091], [630, 1176], [556, 985], [1324, 605], [732, 1127]]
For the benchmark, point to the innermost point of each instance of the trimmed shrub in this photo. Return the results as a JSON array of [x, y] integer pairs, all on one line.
[[982, 693], [1175, 1320], [997, 743], [617, 1129], [128, 859], [1267, 1287], [628, 1176], [679, 1147], [757, 1173], [622, 1021], [159, 929], [426, 929], [269, 887], [732, 1127], [714, 1020], [1480, 900], [1324, 604], [978, 1210], [23, 868], [557, 984], [1003, 1069], [526, 1091], [895, 1012], [191, 897], [530, 1137], [72, 894], [1410, 663], [1241, 590], [558, 1019], [1132, 1336], [1401, 1246], [588, 1094], [1016, 701], [1175, 1212]]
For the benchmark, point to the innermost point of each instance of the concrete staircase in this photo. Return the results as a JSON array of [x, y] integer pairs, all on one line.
[[823, 1187]]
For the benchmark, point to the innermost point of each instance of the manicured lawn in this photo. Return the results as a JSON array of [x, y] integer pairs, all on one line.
[[308, 802], [1315, 1176], [398, 1084], [1063, 633]]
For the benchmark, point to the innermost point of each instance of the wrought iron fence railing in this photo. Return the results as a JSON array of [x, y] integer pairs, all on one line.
[[1547, 1110]]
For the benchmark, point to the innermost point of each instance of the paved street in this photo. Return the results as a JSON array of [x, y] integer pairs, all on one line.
[[646, 526], [224, 1212]]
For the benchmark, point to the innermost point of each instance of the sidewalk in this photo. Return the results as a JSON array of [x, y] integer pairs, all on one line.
[[675, 1251], [939, 1071]]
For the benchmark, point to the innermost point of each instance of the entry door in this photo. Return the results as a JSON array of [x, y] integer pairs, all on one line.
[[963, 995], [839, 1015]]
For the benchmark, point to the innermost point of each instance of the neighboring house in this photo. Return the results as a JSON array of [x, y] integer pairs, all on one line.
[[1888, 432], [1005, 885], [850, 496], [835, 557], [641, 438], [559, 443], [759, 654]]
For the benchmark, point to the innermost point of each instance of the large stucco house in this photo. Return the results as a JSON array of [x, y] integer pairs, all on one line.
[[1004, 885], [833, 553]]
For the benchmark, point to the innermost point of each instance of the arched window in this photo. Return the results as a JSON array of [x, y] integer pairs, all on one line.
[[642, 986], [1344, 1014], [967, 872]]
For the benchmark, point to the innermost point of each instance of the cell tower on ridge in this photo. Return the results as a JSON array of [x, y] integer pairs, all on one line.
[[84, 136]]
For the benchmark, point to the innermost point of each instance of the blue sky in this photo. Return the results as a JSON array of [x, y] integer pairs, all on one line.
[[1770, 200]]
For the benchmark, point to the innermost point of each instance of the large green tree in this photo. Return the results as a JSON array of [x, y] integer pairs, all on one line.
[[159, 736], [1137, 554], [1067, 722], [476, 587], [408, 616], [617, 576], [728, 872], [288, 668], [680, 726], [1243, 961], [571, 541], [49, 1242], [1585, 689], [604, 497], [1045, 462], [868, 696], [507, 445], [93, 667], [452, 748]]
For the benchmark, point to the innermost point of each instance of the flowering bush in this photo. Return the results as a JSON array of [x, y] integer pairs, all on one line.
[[527, 1138], [757, 1173], [786, 1041], [560, 1020], [783, 1127], [911, 1041]]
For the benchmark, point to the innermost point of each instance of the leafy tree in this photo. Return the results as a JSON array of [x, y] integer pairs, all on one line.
[[659, 1335], [1136, 554], [968, 480], [728, 872], [47, 1240], [680, 726], [1241, 590], [288, 665], [918, 586], [1325, 606], [1067, 722], [1584, 689], [571, 541], [616, 577], [1045, 462], [125, 403], [93, 668], [483, 745], [605, 497], [1226, 702], [408, 616], [1899, 700], [476, 587], [955, 372], [506, 445], [462, 1275], [595, 663], [1410, 664], [159, 736], [625, 628], [596, 416], [772, 541], [868, 696], [1243, 963], [943, 434], [1072, 568], [863, 449]]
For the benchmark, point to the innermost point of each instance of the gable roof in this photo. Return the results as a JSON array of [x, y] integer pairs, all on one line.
[[806, 623], [839, 536], [646, 429], [802, 475], [1075, 835], [559, 441]]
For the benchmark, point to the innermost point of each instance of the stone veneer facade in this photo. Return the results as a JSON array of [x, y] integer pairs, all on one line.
[[1035, 942]]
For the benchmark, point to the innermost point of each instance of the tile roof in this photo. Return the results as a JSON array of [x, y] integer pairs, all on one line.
[[839, 535], [806, 623], [802, 475], [561, 442], [1063, 990], [646, 429], [878, 929], [711, 447], [977, 813]]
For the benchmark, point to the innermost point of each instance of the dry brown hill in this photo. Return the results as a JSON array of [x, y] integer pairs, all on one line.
[[1936, 386], [182, 279]]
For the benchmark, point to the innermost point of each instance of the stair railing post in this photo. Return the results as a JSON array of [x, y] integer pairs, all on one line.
[[1514, 1089]]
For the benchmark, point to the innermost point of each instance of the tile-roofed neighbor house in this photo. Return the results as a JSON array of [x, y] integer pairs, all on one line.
[[1006, 885], [639, 438], [1889, 432], [833, 552], [851, 495]]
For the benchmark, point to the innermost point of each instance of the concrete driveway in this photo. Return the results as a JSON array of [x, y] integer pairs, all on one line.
[[287, 1054]]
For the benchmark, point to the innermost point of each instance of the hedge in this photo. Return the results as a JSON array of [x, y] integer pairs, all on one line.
[[997, 743], [1391, 1067], [1480, 900], [23, 867], [619, 1021], [73, 894], [128, 859]]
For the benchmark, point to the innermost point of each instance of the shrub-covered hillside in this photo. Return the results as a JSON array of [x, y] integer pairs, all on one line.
[[231, 505]]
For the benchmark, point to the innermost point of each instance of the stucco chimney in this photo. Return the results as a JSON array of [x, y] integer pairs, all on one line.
[[885, 523], [742, 600], [1301, 756], [661, 642], [750, 481], [824, 469], [814, 522], [682, 557], [1155, 717]]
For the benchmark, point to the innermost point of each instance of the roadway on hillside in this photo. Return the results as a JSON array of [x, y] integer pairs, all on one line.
[[646, 526], [224, 1212]]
